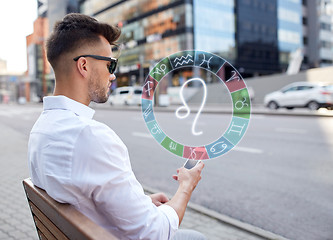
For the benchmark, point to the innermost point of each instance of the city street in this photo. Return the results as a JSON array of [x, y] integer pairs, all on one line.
[[253, 78], [278, 178]]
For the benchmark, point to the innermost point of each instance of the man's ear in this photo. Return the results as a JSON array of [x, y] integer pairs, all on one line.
[[82, 66]]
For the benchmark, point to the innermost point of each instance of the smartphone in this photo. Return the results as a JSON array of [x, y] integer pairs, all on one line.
[[190, 163]]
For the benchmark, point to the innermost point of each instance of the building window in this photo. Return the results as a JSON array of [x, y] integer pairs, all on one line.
[[305, 21], [325, 26], [325, 44], [305, 40]]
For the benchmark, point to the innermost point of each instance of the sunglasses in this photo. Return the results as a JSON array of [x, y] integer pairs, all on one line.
[[113, 61]]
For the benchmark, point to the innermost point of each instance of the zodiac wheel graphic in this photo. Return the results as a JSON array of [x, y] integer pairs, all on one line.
[[228, 75]]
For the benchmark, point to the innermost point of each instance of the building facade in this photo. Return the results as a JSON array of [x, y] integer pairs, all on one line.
[[38, 67], [151, 30], [258, 37], [214, 27], [11, 84], [290, 30], [40, 77], [318, 34], [56, 10]]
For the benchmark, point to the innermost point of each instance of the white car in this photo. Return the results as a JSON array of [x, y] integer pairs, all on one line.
[[126, 96], [301, 94]]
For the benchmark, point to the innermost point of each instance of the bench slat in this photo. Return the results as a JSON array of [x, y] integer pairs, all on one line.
[[43, 219], [44, 230], [41, 235], [65, 217]]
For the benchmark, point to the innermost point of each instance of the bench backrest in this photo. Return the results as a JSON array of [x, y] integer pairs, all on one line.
[[55, 220]]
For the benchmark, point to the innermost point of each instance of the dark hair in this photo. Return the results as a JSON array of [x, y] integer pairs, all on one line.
[[76, 30]]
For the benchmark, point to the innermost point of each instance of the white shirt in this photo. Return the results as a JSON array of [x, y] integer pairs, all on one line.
[[80, 161]]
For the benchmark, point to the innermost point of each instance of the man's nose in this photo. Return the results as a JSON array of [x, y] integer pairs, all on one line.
[[112, 77]]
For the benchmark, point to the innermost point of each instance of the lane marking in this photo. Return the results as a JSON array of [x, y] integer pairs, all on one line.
[[137, 118], [291, 130], [141, 134], [254, 116], [6, 114], [248, 150]]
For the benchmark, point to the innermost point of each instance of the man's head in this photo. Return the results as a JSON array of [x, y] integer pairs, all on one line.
[[77, 31], [72, 49]]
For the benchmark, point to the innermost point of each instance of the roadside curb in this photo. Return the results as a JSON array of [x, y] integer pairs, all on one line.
[[256, 110], [245, 227]]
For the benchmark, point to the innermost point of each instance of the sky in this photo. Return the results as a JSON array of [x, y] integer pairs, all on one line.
[[16, 22]]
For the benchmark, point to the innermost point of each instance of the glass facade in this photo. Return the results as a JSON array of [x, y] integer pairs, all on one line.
[[256, 34], [123, 10], [318, 33], [214, 27], [151, 30], [325, 32], [290, 28]]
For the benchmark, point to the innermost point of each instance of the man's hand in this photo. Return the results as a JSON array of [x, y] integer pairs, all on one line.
[[188, 179], [159, 198]]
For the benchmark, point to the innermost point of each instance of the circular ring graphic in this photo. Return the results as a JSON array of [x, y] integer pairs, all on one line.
[[229, 76]]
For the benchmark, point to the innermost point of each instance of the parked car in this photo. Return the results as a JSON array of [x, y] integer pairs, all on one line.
[[126, 96], [301, 95]]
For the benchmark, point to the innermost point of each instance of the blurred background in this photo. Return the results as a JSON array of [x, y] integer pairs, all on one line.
[[271, 43]]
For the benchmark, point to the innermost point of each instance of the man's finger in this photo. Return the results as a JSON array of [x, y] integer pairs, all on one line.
[[200, 165]]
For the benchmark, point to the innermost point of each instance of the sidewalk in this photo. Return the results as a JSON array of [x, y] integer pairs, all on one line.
[[15, 217], [216, 226], [16, 221]]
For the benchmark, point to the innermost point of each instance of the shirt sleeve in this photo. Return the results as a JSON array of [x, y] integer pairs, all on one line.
[[173, 216], [104, 174]]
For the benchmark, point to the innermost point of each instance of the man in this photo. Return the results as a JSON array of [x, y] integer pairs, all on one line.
[[80, 161]]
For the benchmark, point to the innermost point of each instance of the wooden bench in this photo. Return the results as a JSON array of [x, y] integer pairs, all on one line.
[[54, 220]]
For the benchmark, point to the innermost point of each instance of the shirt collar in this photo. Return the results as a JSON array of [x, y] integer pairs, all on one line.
[[63, 102]]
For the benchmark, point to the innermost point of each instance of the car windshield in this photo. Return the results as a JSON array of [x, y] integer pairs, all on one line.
[[284, 90], [304, 87]]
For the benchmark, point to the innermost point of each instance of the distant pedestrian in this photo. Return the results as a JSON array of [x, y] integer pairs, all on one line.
[[6, 99], [83, 162]]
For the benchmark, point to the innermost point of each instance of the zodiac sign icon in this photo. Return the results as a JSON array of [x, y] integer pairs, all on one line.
[[173, 146], [236, 126], [223, 145], [184, 61], [147, 111], [186, 106], [156, 129], [240, 104], [233, 77], [161, 69], [193, 154], [204, 60], [148, 87]]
